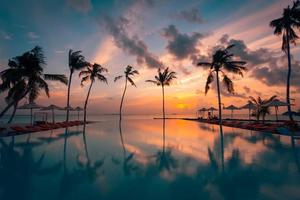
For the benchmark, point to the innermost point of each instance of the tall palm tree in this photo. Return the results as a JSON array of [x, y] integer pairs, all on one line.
[[92, 73], [163, 79], [129, 73], [25, 77], [262, 107], [285, 26], [222, 60], [76, 62]]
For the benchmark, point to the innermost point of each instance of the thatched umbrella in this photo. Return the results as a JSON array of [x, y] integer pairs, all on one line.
[[78, 109], [232, 108], [212, 109], [202, 110], [250, 106], [52, 108], [276, 103], [30, 106]]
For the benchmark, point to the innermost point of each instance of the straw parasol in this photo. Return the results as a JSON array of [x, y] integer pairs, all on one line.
[[78, 109], [250, 106], [232, 108], [52, 108], [30, 106], [277, 103], [212, 109]]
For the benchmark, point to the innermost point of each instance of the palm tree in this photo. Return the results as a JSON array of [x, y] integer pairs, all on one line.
[[285, 26], [76, 62], [129, 73], [163, 79], [222, 59], [25, 77], [92, 73], [262, 107]]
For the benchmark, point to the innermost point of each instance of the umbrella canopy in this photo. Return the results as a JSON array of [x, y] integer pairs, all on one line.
[[250, 106], [67, 108], [277, 103], [232, 108], [212, 109], [30, 106], [78, 108], [52, 108]]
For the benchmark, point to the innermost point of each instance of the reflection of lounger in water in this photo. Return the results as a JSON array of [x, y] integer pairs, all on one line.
[[286, 131]]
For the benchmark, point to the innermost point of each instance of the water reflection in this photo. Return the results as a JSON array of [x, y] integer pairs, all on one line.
[[176, 159]]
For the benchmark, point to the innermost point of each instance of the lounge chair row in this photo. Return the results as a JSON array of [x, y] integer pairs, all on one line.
[[45, 127]]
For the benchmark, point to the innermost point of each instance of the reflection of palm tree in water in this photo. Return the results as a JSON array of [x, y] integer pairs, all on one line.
[[164, 158], [294, 149], [128, 167]]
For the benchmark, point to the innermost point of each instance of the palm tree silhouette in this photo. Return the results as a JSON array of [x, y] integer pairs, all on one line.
[[25, 77], [262, 107], [222, 59], [76, 62], [285, 26], [163, 79], [129, 73], [91, 73]]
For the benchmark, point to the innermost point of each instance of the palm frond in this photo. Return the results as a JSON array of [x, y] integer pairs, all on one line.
[[131, 81], [154, 82], [84, 79], [57, 77], [228, 83], [117, 78], [209, 80]]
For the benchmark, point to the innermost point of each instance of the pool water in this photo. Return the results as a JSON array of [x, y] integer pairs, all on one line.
[[149, 159]]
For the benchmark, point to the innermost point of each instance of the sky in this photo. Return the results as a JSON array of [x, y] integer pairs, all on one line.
[[149, 34]]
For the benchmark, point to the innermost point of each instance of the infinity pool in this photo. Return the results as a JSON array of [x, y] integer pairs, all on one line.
[[149, 159]]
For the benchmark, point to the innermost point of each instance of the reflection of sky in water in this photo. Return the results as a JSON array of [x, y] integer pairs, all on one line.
[[189, 166]]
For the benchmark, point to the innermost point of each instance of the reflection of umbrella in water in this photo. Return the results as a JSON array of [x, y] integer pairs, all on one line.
[[52, 108], [232, 108], [212, 109], [78, 109], [250, 106], [30, 106], [277, 103]]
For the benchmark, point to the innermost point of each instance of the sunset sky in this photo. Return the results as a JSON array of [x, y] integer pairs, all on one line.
[[146, 34]]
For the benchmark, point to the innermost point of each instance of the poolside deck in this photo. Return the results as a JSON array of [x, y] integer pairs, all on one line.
[[277, 127], [24, 129]]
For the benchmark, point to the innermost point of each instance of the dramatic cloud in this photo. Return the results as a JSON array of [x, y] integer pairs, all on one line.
[[132, 45], [263, 64], [191, 15], [181, 45], [80, 5]]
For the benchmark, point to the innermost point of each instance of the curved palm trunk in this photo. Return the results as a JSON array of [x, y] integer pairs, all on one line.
[[163, 93], [68, 96], [121, 137], [14, 112], [219, 99], [121, 105], [164, 135], [289, 79], [86, 100], [220, 121], [12, 103]]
